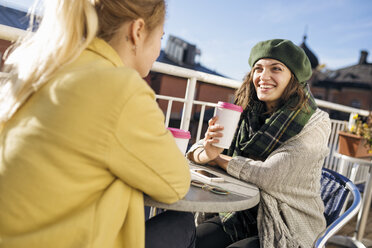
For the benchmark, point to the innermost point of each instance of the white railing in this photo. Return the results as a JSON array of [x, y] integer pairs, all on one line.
[[192, 77], [336, 125], [11, 34]]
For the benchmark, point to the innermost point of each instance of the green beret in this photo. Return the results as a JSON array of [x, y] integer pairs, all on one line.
[[286, 52]]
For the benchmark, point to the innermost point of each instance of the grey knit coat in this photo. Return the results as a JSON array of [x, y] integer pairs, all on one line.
[[290, 210]]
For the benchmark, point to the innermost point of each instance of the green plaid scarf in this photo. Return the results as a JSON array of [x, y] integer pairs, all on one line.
[[259, 134]]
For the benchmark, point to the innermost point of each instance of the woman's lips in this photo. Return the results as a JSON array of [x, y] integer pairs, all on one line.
[[266, 87]]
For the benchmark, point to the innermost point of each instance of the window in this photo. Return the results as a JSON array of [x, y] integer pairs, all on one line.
[[355, 103]]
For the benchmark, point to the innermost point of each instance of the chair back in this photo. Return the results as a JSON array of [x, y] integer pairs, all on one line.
[[334, 192]]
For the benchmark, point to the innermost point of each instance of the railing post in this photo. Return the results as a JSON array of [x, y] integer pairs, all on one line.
[[169, 110], [201, 120], [352, 121], [187, 106]]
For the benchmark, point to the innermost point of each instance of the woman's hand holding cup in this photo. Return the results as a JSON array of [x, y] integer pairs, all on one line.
[[217, 138], [212, 137]]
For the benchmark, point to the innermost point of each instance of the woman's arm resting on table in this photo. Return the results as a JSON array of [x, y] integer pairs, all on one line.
[[199, 156], [204, 151], [222, 161]]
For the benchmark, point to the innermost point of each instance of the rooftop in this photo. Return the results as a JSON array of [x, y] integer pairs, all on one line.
[[179, 52], [13, 18], [358, 73], [313, 59]]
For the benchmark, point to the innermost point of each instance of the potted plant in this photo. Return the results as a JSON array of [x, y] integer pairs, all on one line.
[[356, 141]]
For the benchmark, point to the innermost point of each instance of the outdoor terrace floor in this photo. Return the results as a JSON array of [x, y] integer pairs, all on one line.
[[348, 230]]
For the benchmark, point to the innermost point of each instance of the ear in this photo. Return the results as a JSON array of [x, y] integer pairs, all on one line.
[[137, 30]]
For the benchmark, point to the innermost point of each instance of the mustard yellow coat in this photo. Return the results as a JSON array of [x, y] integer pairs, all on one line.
[[75, 159]]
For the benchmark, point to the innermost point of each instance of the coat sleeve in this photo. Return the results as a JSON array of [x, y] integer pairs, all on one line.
[[296, 162], [144, 154]]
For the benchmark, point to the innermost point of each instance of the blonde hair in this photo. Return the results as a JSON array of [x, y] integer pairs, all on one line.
[[66, 29]]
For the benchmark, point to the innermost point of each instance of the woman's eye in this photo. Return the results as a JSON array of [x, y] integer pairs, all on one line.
[[277, 69]]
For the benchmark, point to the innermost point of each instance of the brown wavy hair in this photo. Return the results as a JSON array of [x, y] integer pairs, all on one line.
[[246, 95]]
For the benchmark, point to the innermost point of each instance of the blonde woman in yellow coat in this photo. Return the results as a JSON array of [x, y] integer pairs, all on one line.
[[82, 137]]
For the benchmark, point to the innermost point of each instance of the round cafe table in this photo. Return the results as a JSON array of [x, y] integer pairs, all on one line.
[[241, 195]]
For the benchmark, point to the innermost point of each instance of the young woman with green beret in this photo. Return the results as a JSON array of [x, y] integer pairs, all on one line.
[[82, 136], [279, 145]]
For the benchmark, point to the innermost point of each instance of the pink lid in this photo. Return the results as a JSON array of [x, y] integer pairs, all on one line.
[[178, 133], [231, 106]]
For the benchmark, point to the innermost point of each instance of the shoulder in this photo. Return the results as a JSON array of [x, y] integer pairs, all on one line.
[[317, 129], [319, 119], [97, 69], [94, 75]]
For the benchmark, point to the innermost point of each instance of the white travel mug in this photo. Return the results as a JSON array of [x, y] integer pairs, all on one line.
[[181, 137], [228, 117]]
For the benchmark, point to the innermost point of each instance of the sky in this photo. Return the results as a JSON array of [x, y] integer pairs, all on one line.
[[226, 30]]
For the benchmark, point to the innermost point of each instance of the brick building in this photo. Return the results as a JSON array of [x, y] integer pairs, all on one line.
[[350, 86]]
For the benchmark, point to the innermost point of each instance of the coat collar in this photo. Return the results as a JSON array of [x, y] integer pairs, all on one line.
[[103, 49]]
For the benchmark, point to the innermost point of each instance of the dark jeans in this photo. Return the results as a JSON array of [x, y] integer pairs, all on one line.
[[170, 229], [210, 234]]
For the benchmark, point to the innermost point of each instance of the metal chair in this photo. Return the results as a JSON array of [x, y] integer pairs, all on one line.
[[335, 189]]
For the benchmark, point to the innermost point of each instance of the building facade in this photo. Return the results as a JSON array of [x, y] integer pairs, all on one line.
[[350, 86]]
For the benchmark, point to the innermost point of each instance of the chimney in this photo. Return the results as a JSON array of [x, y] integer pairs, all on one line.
[[363, 57]]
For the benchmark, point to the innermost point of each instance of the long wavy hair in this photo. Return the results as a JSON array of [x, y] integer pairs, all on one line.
[[66, 29], [246, 95]]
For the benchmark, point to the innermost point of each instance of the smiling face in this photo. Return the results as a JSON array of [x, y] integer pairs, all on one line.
[[270, 78]]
